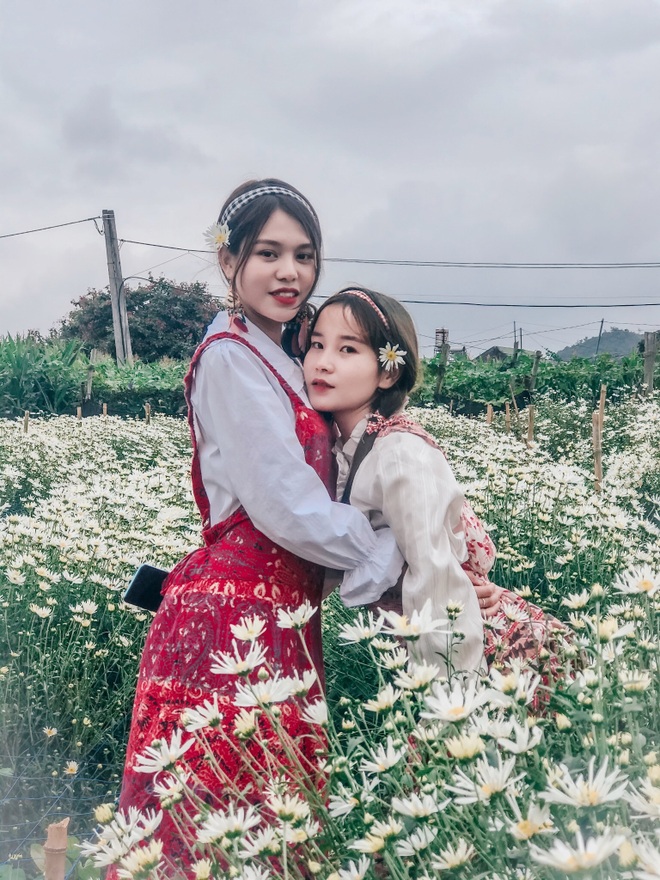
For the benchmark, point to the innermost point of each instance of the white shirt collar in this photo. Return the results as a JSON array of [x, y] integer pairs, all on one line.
[[348, 448], [289, 370]]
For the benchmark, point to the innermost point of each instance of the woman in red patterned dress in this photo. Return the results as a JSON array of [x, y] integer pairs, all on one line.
[[263, 479]]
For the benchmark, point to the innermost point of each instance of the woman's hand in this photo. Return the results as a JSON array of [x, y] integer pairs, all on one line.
[[489, 596]]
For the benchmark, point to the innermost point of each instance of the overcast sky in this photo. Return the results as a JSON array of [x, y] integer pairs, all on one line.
[[442, 130]]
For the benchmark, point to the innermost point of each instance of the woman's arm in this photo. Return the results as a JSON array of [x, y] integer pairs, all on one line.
[[237, 407], [411, 483]]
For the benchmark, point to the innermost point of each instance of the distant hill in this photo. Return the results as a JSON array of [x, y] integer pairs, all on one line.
[[616, 342]]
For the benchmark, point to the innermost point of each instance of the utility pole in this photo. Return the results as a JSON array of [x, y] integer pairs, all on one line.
[[650, 353], [441, 337], [117, 292], [600, 333]]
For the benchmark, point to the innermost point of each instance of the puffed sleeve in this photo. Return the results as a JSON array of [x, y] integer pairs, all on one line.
[[236, 404], [414, 487]]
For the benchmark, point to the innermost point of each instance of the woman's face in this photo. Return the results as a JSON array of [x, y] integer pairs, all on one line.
[[342, 372], [278, 275]]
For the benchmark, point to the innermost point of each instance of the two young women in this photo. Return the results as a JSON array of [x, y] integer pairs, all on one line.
[[264, 478]]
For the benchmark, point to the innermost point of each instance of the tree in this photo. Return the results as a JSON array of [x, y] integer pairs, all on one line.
[[166, 319]]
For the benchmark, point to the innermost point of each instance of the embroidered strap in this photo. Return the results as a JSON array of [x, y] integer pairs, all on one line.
[[199, 492]]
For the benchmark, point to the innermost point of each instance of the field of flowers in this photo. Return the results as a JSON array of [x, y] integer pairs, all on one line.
[[509, 778]]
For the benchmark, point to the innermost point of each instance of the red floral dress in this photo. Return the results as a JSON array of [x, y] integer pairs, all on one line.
[[239, 572], [520, 630]]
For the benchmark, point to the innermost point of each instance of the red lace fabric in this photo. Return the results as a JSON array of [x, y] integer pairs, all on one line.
[[520, 630], [239, 572]]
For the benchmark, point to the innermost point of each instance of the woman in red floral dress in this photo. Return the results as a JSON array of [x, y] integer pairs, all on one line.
[[263, 480]]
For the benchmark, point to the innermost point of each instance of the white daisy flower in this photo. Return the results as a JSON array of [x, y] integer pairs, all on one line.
[[226, 664], [417, 807], [526, 739], [248, 628], [455, 704], [217, 236], [264, 842], [317, 713], [639, 581], [419, 840], [232, 823], [384, 700], [454, 856], [383, 758], [295, 618], [206, 715], [263, 693], [362, 630], [161, 755], [598, 788], [646, 800], [489, 780], [141, 861], [563, 857], [417, 677], [391, 356], [353, 871], [537, 821], [420, 623]]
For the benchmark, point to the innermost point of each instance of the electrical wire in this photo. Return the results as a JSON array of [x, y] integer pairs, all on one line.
[[55, 226]]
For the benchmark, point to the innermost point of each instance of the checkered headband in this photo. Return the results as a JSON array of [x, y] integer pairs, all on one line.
[[245, 198]]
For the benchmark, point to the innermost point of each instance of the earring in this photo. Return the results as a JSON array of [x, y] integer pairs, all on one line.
[[235, 310]]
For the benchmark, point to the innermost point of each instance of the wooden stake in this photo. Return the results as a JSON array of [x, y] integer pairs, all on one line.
[[55, 850], [451, 405], [26, 421], [530, 423], [489, 414], [650, 352], [598, 450], [105, 409], [147, 413], [601, 406], [507, 416], [79, 413]]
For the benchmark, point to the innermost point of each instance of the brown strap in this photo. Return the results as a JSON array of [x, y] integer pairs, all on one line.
[[362, 450]]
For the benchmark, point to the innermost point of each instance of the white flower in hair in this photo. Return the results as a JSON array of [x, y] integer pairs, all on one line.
[[391, 356], [216, 236]]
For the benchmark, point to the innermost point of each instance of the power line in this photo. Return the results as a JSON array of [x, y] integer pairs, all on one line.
[[518, 305], [55, 226]]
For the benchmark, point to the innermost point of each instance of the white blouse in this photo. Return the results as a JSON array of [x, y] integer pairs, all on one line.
[[407, 484], [250, 456]]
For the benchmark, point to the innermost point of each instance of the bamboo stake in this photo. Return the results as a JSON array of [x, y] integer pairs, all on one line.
[[55, 850], [601, 406], [530, 424], [598, 450], [147, 413], [451, 405], [26, 421], [507, 416], [79, 413], [489, 414], [105, 409]]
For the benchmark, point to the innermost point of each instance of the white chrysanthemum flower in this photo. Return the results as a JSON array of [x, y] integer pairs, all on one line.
[[50, 732], [338, 807], [302, 686], [169, 790], [608, 630], [263, 693], [512, 611], [316, 713], [225, 663], [353, 871], [638, 581], [488, 780], [420, 623], [526, 739], [296, 618], [362, 630], [206, 715], [395, 658], [465, 746], [217, 236], [42, 611], [646, 800], [417, 677], [383, 758], [455, 704], [202, 869], [537, 821], [635, 681], [71, 768], [377, 836], [264, 842], [482, 724], [598, 788], [453, 856], [245, 723], [248, 628], [519, 684], [289, 808], [648, 857], [417, 807], [391, 356], [418, 841], [576, 600], [563, 857], [141, 862], [161, 755], [232, 823], [384, 700]]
